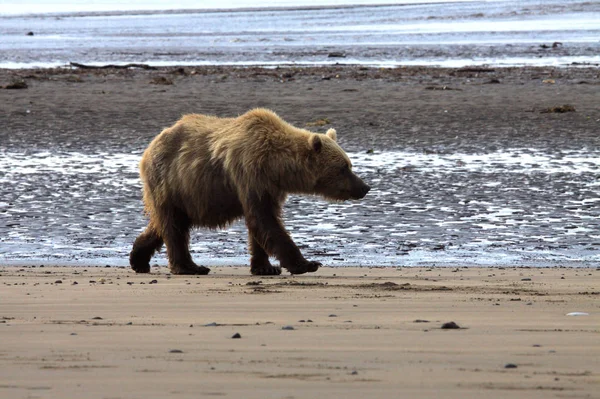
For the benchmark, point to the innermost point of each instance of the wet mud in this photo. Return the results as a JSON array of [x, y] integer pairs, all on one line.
[[479, 175]]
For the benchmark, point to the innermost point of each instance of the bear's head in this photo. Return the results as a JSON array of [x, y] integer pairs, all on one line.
[[332, 169]]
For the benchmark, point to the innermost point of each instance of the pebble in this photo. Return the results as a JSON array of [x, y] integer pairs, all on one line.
[[450, 326], [213, 324], [287, 328], [175, 351], [510, 366], [236, 335], [525, 279]]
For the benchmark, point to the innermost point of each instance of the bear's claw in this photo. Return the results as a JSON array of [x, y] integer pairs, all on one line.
[[141, 268], [305, 267], [265, 271], [190, 270]]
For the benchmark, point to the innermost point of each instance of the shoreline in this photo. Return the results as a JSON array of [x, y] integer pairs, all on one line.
[[517, 62]]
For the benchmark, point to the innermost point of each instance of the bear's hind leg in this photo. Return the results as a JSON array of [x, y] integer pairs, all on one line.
[[144, 247], [259, 261], [176, 234]]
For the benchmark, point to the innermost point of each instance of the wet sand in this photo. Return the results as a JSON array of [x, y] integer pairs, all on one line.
[[471, 108], [86, 206], [357, 333]]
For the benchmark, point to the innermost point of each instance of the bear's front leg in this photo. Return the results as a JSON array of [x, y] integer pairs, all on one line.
[[267, 233], [259, 261]]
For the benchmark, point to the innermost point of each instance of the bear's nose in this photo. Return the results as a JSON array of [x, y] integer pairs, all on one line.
[[365, 190], [361, 191]]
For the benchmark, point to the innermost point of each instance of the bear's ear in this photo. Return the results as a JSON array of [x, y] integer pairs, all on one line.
[[332, 134], [315, 143]]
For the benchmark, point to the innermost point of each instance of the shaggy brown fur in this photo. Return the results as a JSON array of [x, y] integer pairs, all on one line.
[[206, 171]]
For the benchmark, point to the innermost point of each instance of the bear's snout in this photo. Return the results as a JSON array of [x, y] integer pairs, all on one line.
[[359, 189]]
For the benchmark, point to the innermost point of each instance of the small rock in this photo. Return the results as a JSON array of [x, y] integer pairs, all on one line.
[[58, 282], [559, 110], [450, 326], [73, 333], [287, 328], [17, 85], [175, 351], [510, 366], [30, 33], [161, 80], [129, 324], [525, 279], [236, 336], [332, 315], [97, 318], [213, 324], [354, 372], [421, 321], [153, 282]]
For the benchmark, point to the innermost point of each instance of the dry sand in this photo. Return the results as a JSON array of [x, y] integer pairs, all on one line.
[[75, 332]]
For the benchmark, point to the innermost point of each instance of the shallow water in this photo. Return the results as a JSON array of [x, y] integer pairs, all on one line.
[[516, 206], [448, 34]]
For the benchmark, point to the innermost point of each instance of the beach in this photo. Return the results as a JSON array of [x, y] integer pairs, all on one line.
[[355, 332], [471, 268]]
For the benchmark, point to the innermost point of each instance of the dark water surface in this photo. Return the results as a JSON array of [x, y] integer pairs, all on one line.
[[515, 206], [529, 32]]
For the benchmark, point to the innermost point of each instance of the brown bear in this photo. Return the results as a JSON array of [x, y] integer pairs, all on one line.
[[206, 171]]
